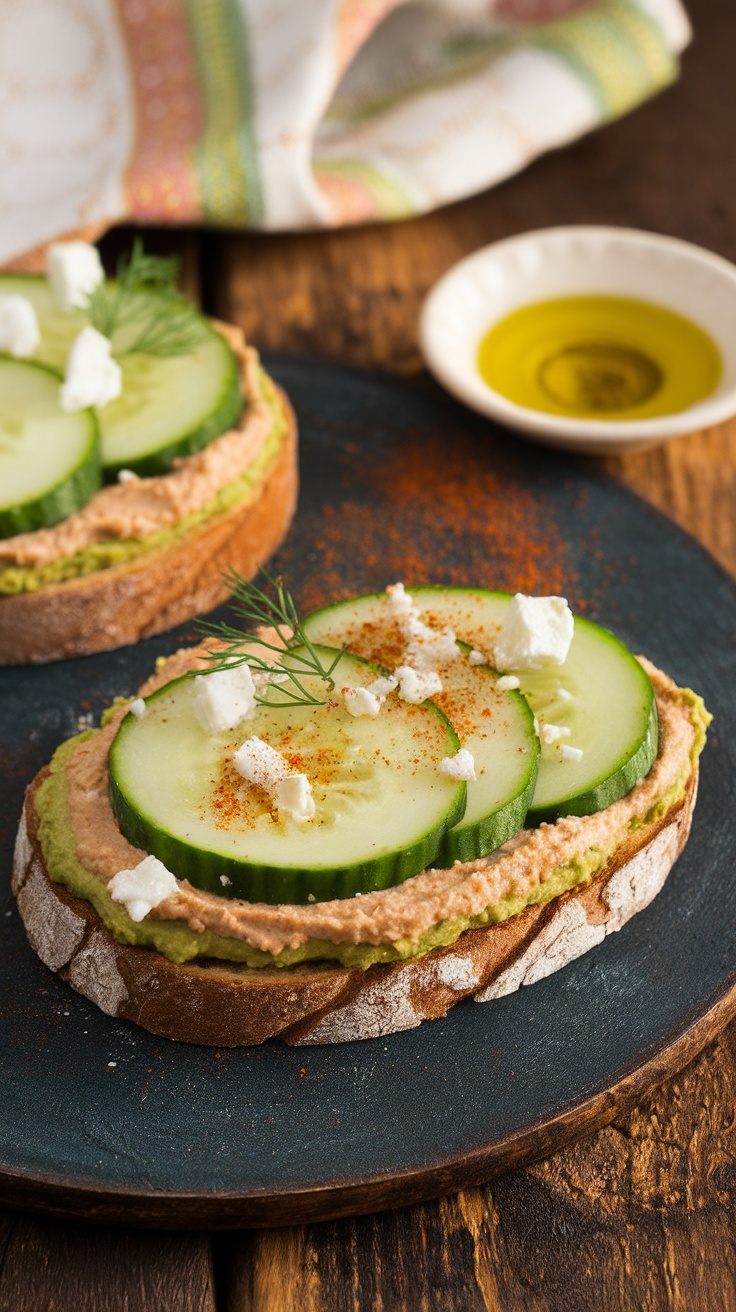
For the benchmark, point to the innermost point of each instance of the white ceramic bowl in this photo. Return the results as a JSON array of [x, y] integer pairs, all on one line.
[[537, 266]]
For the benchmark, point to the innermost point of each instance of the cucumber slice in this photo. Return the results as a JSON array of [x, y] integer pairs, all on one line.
[[600, 693], [382, 803], [49, 460], [497, 727], [169, 407]]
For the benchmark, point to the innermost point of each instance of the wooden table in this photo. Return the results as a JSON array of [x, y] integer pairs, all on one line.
[[639, 1215]]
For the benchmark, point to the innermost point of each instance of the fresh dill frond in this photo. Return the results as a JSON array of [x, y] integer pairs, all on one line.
[[144, 299], [284, 636]]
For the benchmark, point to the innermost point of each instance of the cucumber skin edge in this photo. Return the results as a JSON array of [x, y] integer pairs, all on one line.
[[477, 841], [227, 415], [611, 789], [63, 500], [271, 884]]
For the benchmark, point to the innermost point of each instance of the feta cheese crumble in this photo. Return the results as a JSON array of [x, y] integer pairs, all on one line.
[[570, 753], [143, 888], [368, 701], [291, 792], [400, 603], [224, 698], [73, 269], [551, 733], [427, 647], [127, 476], [476, 657], [536, 630], [383, 685], [507, 683], [461, 766], [19, 331], [138, 708], [361, 701], [91, 376], [415, 686]]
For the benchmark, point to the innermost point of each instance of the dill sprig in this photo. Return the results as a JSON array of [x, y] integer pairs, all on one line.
[[275, 613], [144, 298]]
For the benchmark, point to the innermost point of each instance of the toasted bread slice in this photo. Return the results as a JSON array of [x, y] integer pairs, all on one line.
[[117, 606], [228, 1005]]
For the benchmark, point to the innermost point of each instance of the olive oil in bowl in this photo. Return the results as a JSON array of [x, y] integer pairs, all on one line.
[[600, 357]]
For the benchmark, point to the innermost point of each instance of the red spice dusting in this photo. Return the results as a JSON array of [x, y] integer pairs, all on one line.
[[437, 513]]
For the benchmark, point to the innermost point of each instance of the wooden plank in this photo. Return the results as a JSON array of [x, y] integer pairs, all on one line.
[[47, 1266], [433, 1258], [692, 479]]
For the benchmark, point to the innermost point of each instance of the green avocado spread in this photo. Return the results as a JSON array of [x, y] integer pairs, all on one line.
[[104, 555], [179, 943]]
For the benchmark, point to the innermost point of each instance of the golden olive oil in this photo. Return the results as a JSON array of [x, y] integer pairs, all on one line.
[[600, 357]]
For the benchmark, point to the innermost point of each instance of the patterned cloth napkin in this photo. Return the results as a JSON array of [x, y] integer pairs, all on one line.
[[284, 114]]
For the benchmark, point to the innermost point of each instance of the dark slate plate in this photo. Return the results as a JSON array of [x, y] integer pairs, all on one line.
[[396, 484]]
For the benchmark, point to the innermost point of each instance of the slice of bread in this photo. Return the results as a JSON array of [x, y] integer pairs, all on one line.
[[227, 1005], [117, 606]]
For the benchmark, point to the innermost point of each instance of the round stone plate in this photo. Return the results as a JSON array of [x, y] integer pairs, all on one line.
[[100, 1119]]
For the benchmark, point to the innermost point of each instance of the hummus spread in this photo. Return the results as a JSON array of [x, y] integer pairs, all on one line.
[[143, 513], [85, 849]]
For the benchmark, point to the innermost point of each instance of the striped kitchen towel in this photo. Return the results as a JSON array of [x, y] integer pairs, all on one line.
[[286, 114]]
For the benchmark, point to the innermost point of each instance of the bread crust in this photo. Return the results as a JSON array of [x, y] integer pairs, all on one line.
[[118, 606], [228, 1005]]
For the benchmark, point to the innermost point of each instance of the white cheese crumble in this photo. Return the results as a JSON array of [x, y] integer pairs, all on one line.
[[416, 686], [141, 889], [368, 701], [507, 683], [536, 630], [400, 603], [73, 269], [138, 708], [19, 331], [383, 685], [226, 883], [427, 647], [361, 701], [91, 376], [551, 733], [461, 766], [224, 698], [290, 791], [127, 476], [476, 657], [570, 753]]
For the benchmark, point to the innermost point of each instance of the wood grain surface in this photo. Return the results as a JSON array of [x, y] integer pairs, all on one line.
[[640, 1215]]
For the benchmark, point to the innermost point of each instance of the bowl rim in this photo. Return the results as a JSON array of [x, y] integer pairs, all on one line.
[[561, 428]]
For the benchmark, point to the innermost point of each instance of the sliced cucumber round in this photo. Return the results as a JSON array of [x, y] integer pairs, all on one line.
[[600, 697], [169, 406], [382, 804], [49, 460], [497, 727]]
